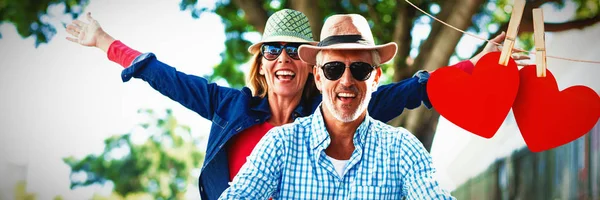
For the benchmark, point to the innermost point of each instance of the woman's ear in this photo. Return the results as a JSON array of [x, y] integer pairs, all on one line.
[[261, 71]]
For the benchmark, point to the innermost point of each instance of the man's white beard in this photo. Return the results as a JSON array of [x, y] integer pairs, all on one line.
[[350, 117]]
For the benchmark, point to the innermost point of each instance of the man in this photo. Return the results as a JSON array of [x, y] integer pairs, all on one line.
[[340, 152]]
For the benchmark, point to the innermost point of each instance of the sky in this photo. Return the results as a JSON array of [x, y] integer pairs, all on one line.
[[63, 99]]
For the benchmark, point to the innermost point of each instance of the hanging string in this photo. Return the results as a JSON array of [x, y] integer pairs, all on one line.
[[497, 44]]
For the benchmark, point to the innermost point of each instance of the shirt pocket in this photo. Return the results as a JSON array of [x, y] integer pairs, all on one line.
[[219, 122], [375, 192]]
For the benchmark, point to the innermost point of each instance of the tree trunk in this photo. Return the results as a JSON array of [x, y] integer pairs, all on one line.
[[433, 54], [254, 13], [401, 35], [314, 14]]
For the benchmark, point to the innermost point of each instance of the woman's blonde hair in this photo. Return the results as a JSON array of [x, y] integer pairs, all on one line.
[[255, 81]]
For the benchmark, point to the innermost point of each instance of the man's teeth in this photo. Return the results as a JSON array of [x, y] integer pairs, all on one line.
[[285, 73], [346, 95]]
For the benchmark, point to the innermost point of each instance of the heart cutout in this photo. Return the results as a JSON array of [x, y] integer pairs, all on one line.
[[479, 102], [549, 118]]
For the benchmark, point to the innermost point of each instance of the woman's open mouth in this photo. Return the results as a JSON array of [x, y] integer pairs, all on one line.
[[285, 75]]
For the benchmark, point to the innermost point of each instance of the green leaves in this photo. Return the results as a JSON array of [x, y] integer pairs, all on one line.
[[159, 166], [27, 16], [587, 9]]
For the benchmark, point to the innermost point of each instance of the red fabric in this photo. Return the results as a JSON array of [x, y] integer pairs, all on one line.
[[242, 144], [121, 53]]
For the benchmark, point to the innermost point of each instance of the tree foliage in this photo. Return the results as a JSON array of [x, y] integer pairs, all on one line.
[[30, 17], [158, 166], [21, 192]]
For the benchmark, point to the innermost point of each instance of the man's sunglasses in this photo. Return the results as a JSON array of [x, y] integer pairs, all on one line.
[[361, 71], [271, 51]]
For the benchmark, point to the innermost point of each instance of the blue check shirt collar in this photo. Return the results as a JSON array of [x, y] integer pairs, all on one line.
[[320, 139]]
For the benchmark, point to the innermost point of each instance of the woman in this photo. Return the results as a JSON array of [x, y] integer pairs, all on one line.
[[280, 90]]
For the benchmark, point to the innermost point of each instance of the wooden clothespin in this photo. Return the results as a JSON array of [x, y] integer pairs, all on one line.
[[539, 38], [513, 29]]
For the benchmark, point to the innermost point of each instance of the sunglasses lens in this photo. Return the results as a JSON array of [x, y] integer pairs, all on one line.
[[271, 52], [360, 70], [292, 51], [333, 70]]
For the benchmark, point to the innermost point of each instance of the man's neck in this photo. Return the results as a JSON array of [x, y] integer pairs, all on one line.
[[341, 134]]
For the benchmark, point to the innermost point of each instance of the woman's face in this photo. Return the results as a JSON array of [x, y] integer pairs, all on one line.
[[284, 72]]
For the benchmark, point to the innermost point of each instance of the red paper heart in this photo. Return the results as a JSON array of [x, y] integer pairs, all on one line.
[[479, 102], [548, 118]]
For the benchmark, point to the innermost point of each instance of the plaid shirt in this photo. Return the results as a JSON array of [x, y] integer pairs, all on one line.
[[290, 163]]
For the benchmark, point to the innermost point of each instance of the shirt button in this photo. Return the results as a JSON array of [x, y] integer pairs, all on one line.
[[238, 129], [257, 120]]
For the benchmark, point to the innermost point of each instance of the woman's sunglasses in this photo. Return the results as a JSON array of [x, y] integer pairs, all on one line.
[[271, 51], [361, 71]]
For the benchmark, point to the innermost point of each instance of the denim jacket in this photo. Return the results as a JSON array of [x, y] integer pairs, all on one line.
[[233, 111]]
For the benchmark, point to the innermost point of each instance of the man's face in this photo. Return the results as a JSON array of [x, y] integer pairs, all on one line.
[[346, 98]]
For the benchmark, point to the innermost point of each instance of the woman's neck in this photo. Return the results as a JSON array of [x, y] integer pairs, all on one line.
[[282, 108]]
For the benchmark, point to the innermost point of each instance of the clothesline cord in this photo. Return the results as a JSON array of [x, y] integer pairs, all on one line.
[[497, 44]]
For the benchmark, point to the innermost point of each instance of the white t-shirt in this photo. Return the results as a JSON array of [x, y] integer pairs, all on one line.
[[339, 165]]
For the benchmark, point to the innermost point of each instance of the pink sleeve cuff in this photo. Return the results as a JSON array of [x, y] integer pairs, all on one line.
[[121, 53]]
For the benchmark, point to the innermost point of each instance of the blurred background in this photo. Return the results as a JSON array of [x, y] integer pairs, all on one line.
[[70, 129]]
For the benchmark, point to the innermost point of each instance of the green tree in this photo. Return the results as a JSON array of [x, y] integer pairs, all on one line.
[[158, 167], [21, 192], [30, 16]]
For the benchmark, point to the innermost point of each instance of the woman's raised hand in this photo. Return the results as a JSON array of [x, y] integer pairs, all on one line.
[[491, 47], [89, 34]]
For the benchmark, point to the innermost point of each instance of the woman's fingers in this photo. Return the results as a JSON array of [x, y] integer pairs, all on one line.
[[73, 30], [517, 50], [521, 60], [500, 38], [72, 39], [79, 23], [88, 16], [520, 57], [522, 63]]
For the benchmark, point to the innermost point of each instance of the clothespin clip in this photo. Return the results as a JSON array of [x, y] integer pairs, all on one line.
[[513, 29], [540, 46]]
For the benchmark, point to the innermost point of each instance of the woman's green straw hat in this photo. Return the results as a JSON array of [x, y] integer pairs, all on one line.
[[285, 26]]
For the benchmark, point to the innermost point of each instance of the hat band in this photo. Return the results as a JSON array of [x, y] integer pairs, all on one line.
[[336, 39]]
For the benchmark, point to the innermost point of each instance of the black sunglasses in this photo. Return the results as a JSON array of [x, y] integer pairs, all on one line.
[[271, 51], [361, 71]]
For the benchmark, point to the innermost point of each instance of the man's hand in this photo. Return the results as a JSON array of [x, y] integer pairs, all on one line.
[[89, 34], [491, 47]]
